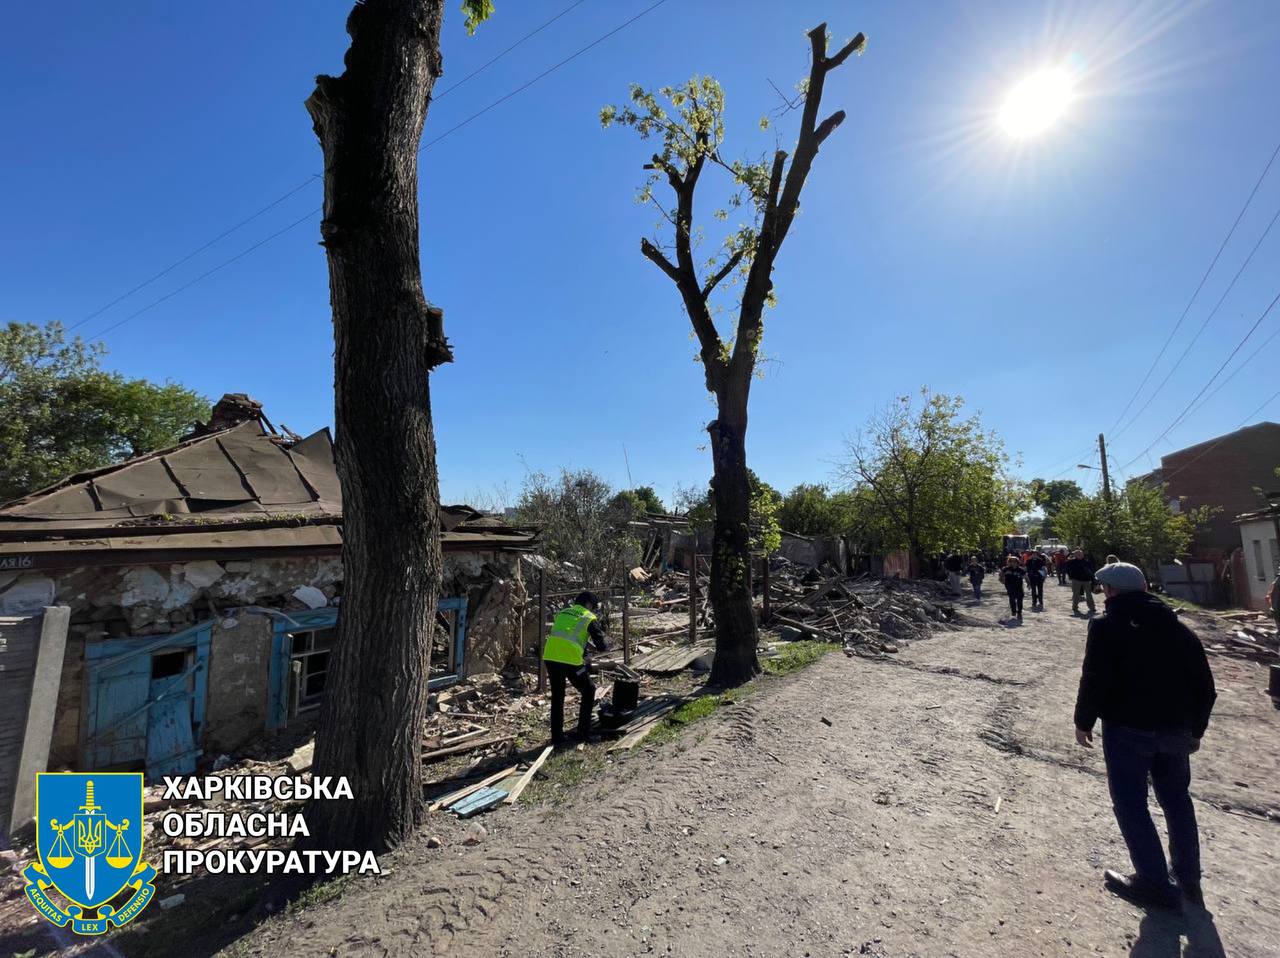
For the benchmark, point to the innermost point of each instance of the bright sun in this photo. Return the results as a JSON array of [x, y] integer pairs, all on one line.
[[1036, 102]]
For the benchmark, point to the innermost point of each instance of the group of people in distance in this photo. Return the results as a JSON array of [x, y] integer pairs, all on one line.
[[1028, 572]]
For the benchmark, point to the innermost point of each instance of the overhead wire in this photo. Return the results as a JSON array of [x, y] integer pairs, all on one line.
[[1182, 415], [303, 185], [1199, 286], [1204, 325], [296, 223]]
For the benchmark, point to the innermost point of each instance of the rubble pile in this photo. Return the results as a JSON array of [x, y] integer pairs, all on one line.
[[876, 614]]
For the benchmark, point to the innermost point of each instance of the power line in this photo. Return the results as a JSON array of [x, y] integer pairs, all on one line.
[[1244, 422], [1213, 312], [205, 275], [1199, 286], [1182, 415], [195, 252], [451, 130], [305, 183], [545, 73]]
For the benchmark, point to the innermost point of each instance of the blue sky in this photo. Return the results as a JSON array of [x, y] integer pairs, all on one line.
[[1036, 278]]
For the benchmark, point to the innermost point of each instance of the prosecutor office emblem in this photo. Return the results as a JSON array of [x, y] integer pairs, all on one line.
[[89, 843]]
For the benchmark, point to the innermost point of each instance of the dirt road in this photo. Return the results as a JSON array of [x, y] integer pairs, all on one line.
[[945, 811]]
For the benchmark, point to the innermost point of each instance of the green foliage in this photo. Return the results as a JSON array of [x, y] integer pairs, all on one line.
[[1049, 496], [60, 413], [766, 534], [1137, 525], [687, 121], [811, 509], [640, 500], [476, 13], [581, 521], [925, 479]]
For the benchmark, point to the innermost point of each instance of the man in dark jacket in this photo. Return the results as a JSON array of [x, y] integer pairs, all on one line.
[[1080, 572], [1146, 676]]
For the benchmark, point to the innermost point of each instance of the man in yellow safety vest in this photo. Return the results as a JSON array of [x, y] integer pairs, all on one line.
[[565, 654]]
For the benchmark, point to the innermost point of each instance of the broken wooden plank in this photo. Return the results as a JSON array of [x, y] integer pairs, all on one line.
[[479, 801], [438, 753], [641, 730], [528, 776], [470, 789]]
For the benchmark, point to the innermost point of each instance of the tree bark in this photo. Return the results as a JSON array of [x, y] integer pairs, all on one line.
[[386, 342], [730, 589]]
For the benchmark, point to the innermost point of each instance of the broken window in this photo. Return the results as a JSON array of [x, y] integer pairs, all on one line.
[[308, 667]]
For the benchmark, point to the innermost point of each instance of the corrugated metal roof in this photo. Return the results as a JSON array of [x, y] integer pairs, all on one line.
[[235, 489]]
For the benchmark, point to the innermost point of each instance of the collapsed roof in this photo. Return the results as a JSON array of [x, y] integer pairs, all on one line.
[[233, 485]]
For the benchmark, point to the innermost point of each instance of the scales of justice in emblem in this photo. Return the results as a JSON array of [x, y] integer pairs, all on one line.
[[88, 825]]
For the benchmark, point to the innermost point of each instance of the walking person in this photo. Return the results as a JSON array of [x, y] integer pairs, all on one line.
[[976, 574], [1146, 676], [1013, 576], [565, 654], [1060, 565], [1080, 572], [1037, 572]]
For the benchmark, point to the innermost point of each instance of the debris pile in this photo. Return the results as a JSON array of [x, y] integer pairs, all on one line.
[[877, 614]]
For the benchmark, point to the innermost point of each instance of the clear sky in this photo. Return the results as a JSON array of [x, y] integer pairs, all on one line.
[[1038, 278]]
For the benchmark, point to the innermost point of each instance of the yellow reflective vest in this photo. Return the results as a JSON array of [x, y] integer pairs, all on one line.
[[567, 640]]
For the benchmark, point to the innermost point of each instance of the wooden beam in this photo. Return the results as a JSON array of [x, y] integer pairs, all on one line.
[[452, 797], [528, 776]]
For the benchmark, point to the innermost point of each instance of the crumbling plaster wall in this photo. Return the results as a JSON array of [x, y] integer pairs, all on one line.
[[496, 597], [154, 600]]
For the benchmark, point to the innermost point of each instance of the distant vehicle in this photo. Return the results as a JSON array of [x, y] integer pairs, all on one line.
[[1017, 544]]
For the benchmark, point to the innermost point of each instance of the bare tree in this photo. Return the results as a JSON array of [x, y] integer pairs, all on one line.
[[691, 135], [387, 340], [581, 521]]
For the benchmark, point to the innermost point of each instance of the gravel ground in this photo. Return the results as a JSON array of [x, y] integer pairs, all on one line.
[[945, 811]]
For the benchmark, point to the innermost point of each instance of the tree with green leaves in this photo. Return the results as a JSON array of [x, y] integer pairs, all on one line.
[[642, 500], [61, 413], [812, 509], [1137, 525], [387, 341], [765, 533], [1049, 496], [929, 479], [687, 124]]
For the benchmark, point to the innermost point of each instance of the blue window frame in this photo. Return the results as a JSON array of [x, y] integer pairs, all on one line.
[[286, 624]]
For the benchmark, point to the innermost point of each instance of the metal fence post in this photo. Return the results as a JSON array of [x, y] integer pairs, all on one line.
[[542, 628], [693, 598], [626, 618]]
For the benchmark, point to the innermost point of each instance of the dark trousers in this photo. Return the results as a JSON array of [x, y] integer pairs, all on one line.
[[1037, 589], [1015, 603], [1131, 756], [977, 589], [580, 678], [1062, 576]]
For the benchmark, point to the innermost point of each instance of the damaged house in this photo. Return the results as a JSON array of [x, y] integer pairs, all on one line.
[[202, 585]]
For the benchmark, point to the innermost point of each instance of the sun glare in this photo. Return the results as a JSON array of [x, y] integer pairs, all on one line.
[[1036, 103]]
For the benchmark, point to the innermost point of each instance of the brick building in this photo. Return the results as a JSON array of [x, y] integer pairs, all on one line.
[[1226, 473]]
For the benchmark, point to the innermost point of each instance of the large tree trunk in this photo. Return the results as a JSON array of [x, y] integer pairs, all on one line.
[[387, 340], [730, 589]]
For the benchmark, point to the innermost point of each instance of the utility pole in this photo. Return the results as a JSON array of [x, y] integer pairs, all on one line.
[[1106, 477]]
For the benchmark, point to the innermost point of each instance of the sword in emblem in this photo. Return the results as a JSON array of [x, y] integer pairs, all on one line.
[[88, 842]]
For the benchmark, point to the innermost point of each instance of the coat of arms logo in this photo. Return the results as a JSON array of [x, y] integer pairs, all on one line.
[[89, 842]]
